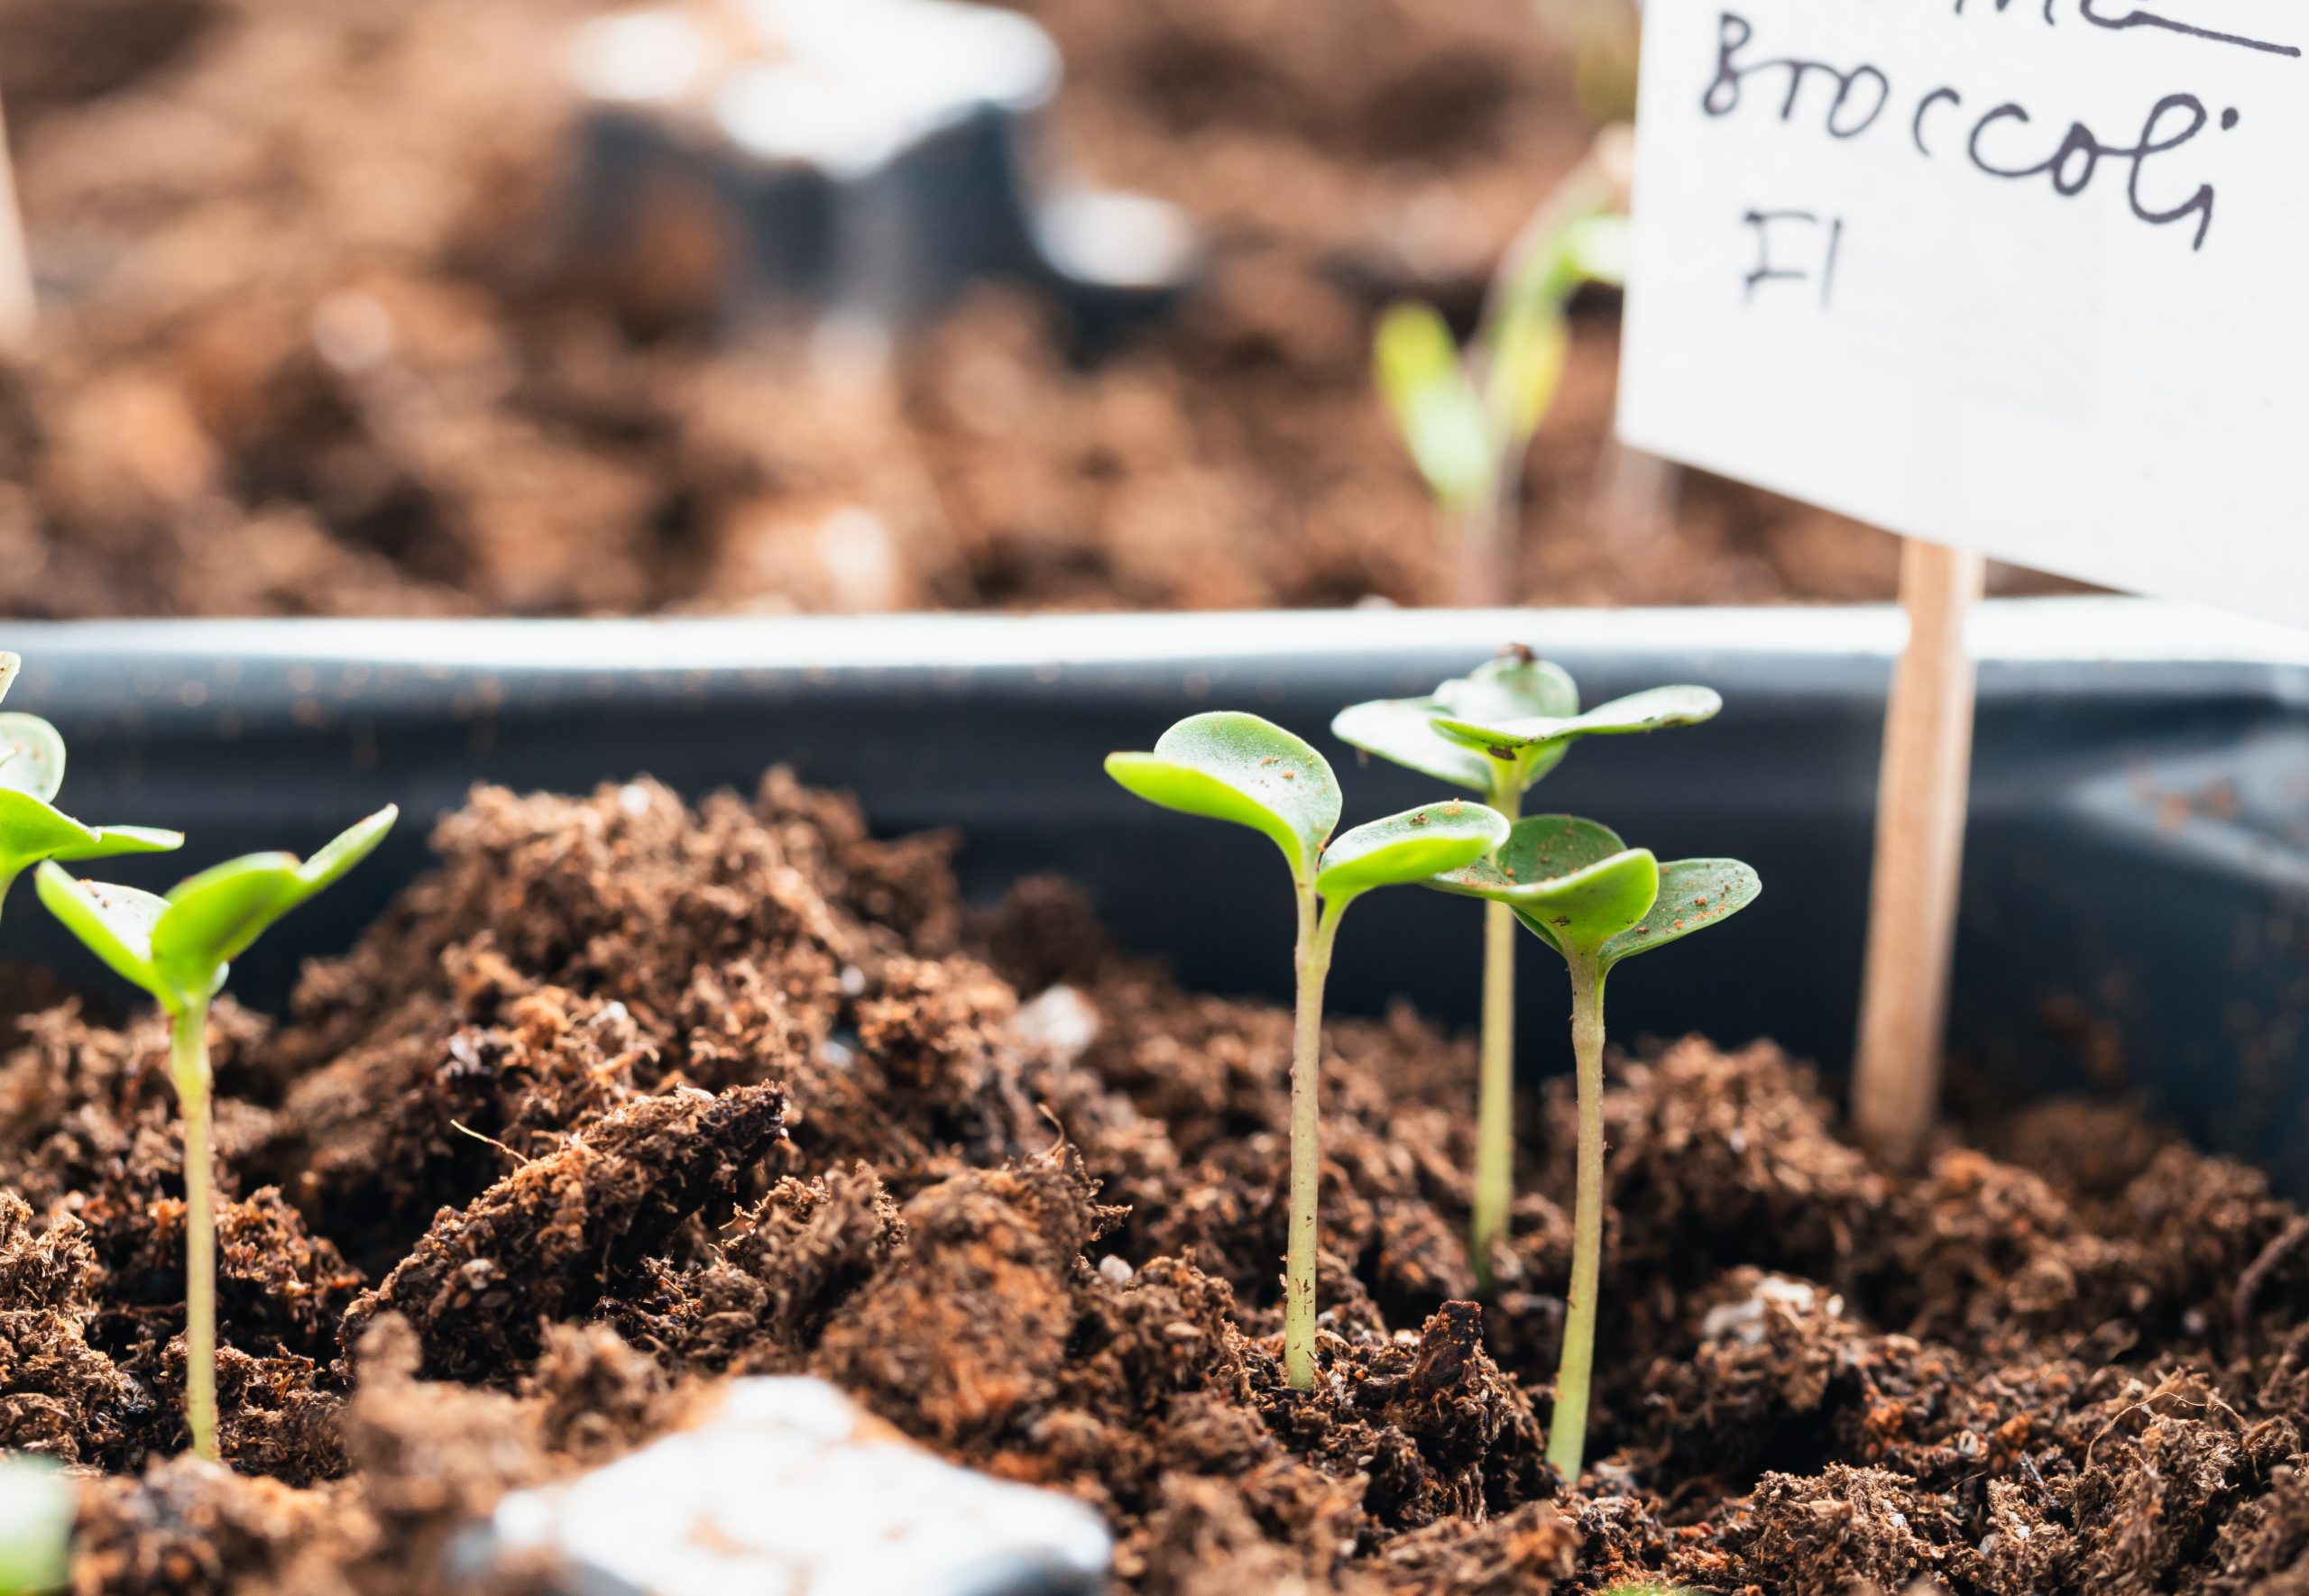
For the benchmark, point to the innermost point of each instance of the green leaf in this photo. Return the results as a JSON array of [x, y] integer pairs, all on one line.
[[31, 756], [1511, 687], [1595, 249], [110, 842], [1228, 765], [1436, 409], [10, 664], [1649, 711], [347, 849], [1694, 893], [32, 830], [1578, 913], [1527, 362], [1540, 850], [179, 948], [114, 921], [1409, 847], [1573, 882], [214, 916]]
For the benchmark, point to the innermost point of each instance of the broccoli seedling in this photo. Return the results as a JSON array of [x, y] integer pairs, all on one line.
[[1466, 418], [1232, 766], [1498, 731], [178, 948], [33, 828], [1596, 901]]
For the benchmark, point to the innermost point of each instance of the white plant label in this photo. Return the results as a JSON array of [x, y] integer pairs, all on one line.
[[2026, 276]]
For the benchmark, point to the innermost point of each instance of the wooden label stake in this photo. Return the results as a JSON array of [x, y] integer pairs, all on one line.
[[1920, 806], [15, 261]]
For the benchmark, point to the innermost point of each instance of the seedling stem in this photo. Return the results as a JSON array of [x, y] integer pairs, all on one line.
[[1317, 930], [188, 1070], [1567, 1432], [1236, 767], [1495, 1193], [1596, 901]]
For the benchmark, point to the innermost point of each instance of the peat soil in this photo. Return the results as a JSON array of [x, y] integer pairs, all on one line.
[[628, 1096], [310, 344]]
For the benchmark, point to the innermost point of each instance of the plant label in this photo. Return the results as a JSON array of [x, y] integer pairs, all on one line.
[[2029, 277]]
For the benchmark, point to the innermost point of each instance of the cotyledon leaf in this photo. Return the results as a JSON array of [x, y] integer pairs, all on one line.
[[1577, 913], [1409, 847], [1649, 711], [1229, 766], [1515, 686], [213, 917], [1540, 849], [31, 756], [115, 922], [1694, 894]]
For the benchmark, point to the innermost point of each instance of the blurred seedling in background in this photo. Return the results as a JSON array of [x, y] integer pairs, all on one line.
[[1596, 901], [1467, 418], [1232, 766], [1497, 732], [37, 1505], [178, 948], [31, 829]]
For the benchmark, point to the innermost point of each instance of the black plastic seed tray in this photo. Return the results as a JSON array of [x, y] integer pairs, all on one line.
[[2135, 911]]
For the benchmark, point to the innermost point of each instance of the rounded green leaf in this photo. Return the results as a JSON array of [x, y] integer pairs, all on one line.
[[114, 921], [1694, 893], [213, 917], [1228, 765], [1577, 913], [31, 756], [1409, 847], [1515, 686], [1540, 850], [1649, 711]]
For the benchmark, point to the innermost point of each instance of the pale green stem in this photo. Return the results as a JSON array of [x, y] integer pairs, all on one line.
[[1315, 931], [1496, 1095], [1567, 1432], [188, 1068]]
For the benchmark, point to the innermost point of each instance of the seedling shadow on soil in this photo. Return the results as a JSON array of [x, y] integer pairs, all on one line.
[[628, 1092]]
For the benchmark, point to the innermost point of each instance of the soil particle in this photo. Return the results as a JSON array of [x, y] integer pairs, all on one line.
[[970, 1329], [542, 1244], [58, 1396]]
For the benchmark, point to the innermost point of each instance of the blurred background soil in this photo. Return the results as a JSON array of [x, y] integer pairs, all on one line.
[[309, 344]]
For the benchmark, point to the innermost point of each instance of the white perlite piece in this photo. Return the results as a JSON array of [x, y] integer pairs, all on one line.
[[1061, 1023], [785, 1488]]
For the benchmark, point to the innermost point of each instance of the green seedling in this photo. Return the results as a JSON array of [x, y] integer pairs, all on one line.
[[37, 1504], [1596, 901], [1497, 732], [178, 948], [1467, 417], [31, 829], [1238, 767]]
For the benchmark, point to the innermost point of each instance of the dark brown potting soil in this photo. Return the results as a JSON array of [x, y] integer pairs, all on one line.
[[309, 345], [628, 1096]]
